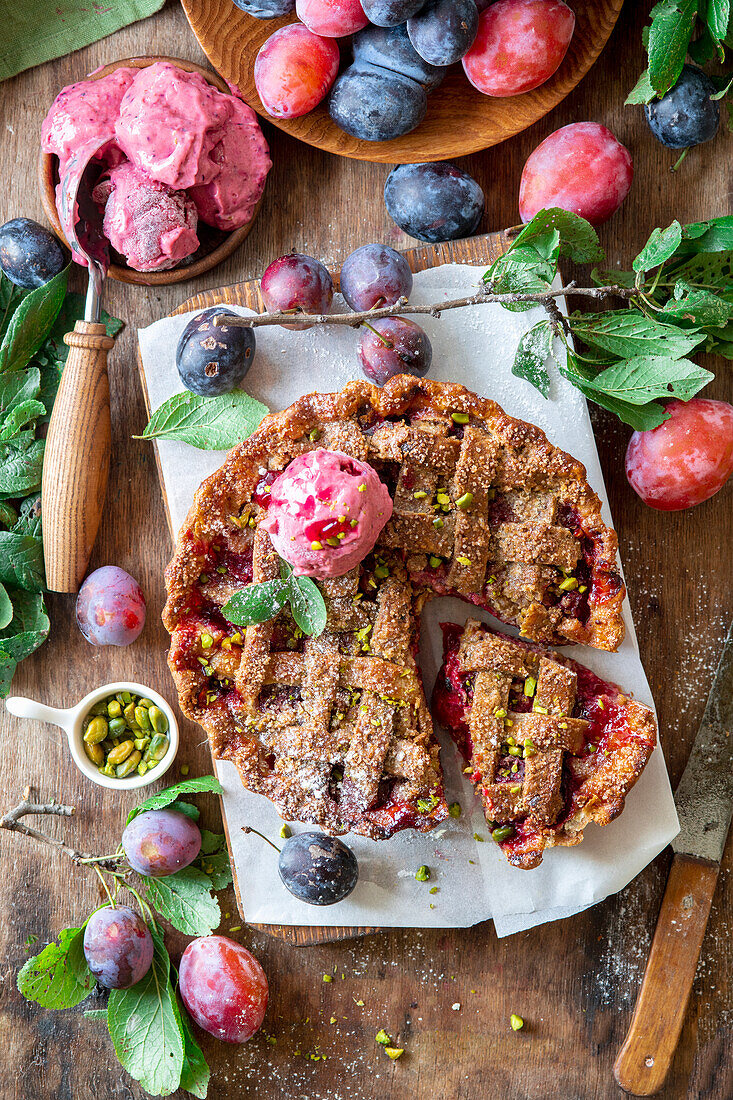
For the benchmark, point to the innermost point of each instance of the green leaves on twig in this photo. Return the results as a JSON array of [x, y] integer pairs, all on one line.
[[261, 602], [148, 1024], [209, 423], [679, 300], [700, 28]]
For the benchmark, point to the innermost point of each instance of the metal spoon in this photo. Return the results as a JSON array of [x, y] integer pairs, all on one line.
[[77, 455]]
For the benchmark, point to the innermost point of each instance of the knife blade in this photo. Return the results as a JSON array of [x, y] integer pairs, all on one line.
[[704, 797], [704, 800]]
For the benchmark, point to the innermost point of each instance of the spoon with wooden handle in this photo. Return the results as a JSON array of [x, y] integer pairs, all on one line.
[[704, 800], [76, 459]]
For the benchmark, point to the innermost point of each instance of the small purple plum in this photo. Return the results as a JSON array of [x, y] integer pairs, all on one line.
[[110, 607], [160, 842], [118, 946]]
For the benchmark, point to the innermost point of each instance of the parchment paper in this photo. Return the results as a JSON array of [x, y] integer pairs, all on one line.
[[476, 347]]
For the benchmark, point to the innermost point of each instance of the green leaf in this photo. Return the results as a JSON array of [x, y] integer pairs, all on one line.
[[209, 423], [28, 522], [59, 977], [195, 1074], [186, 808], [669, 38], [10, 298], [212, 842], [578, 239], [640, 417], [717, 17], [17, 387], [20, 470], [533, 351], [185, 900], [6, 607], [662, 244], [202, 784], [218, 868], [627, 333], [20, 415], [144, 1025], [307, 605], [26, 631], [8, 514], [31, 323], [520, 271], [647, 377], [21, 561], [703, 48], [715, 235], [699, 307], [642, 92], [256, 604]]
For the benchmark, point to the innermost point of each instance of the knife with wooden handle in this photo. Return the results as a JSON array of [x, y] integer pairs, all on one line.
[[704, 800]]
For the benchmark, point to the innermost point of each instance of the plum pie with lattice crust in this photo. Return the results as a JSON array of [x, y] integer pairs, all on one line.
[[334, 729]]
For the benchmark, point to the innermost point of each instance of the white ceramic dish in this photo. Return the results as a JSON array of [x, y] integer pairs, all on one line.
[[71, 721]]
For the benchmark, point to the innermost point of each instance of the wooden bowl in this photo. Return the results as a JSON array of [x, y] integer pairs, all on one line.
[[216, 244], [460, 119]]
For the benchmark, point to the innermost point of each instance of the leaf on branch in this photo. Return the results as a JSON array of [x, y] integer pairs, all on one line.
[[717, 17], [669, 39], [186, 808], [648, 377], [185, 900], [639, 417], [530, 362], [715, 235], [202, 784], [627, 333], [195, 1073], [144, 1025], [578, 239], [208, 423], [662, 244], [212, 842], [218, 868], [699, 307], [642, 92], [59, 977]]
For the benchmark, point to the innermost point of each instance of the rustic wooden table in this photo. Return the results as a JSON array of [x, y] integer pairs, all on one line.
[[575, 982]]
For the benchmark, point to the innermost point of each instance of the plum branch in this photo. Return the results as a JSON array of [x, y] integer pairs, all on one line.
[[546, 298], [11, 821]]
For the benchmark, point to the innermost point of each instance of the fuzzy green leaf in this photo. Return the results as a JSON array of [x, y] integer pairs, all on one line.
[[642, 92], [669, 38], [59, 977], [307, 605], [627, 333], [578, 239], [195, 1073], [256, 604], [202, 784], [31, 323], [208, 423], [185, 900], [533, 351], [144, 1025], [662, 244]]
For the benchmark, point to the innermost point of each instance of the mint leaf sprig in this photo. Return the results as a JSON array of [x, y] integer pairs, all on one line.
[[148, 1024], [261, 602], [679, 301]]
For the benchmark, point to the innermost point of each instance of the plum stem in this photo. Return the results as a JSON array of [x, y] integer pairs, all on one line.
[[401, 306], [387, 343], [249, 829], [12, 822], [679, 160]]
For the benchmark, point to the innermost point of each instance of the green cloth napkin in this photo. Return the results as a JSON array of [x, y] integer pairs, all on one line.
[[35, 31]]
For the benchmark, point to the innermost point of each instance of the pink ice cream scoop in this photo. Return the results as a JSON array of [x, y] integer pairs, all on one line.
[[243, 161], [85, 112], [325, 513], [152, 226], [169, 123]]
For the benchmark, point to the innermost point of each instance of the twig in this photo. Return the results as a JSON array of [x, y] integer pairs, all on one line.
[[11, 821], [545, 298]]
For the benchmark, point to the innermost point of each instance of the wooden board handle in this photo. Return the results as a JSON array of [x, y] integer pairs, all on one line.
[[646, 1055], [76, 460]]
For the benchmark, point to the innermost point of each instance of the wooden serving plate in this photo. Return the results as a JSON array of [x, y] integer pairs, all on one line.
[[473, 250], [460, 120], [220, 244]]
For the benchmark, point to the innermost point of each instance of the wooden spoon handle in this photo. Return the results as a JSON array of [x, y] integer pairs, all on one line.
[[646, 1055], [76, 459]]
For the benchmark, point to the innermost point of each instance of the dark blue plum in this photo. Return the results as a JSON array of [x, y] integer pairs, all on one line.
[[318, 869], [375, 275], [30, 254], [686, 115], [390, 48], [118, 946], [434, 201], [266, 9], [374, 104], [444, 30], [388, 13], [159, 842], [213, 359]]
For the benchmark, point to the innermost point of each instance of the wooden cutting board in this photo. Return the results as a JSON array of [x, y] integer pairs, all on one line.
[[474, 250]]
